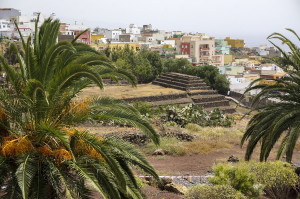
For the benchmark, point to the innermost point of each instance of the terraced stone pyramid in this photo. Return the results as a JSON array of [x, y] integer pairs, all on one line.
[[197, 90]]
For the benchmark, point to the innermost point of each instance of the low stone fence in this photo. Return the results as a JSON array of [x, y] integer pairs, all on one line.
[[155, 98], [247, 100], [142, 139]]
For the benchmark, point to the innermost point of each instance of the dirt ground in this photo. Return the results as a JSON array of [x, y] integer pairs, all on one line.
[[126, 91], [199, 164]]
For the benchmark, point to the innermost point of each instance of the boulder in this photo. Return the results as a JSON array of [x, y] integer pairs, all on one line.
[[232, 158], [175, 188], [168, 185], [158, 152]]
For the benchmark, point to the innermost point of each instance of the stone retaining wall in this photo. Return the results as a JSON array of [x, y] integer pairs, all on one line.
[[247, 100], [155, 98]]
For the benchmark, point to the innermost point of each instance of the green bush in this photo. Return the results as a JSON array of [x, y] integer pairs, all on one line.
[[143, 73], [238, 177], [213, 192], [144, 108], [194, 114], [279, 178], [211, 76]]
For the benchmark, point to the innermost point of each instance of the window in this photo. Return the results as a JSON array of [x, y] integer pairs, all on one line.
[[191, 46], [182, 46], [185, 46]]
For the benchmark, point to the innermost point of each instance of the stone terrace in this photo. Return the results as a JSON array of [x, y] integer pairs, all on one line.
[[197, 92]]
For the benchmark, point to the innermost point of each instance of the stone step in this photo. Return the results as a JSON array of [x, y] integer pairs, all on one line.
[[207, 98], [155, 82], [182, 101], [180, 83], [181, 76], [213, 104], [224, 109], [181, 80], [153, 98], [202, 92], [200, 87]]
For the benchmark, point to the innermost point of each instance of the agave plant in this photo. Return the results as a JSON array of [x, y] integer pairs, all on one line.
[[279, 121], [41, 156]]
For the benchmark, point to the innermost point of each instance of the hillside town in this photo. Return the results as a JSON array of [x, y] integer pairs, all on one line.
[[241, 64], [164, 100]]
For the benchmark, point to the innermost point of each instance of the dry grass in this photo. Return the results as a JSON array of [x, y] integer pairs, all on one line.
[[171, 146], [211, 139], [126, 91]]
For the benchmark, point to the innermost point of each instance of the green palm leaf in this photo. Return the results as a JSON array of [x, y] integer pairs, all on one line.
[[25, 174]]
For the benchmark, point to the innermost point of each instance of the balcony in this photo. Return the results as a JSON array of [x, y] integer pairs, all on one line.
[[204, 49]]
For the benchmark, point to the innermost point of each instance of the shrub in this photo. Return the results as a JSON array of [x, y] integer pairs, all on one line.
[[279, 178], [194, 114], [213, 192], [139, 182], [144, 108], [238, 177]]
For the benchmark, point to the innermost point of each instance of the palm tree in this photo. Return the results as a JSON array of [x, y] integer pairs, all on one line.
[[278, 121], [41, 156]]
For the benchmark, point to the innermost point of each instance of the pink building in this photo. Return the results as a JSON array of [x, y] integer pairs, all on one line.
[[84, 38], [76, 29]]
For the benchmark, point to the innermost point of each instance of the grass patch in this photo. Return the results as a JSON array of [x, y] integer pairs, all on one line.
[[204, 147], [193, 127], [209, 139], [171, 146]]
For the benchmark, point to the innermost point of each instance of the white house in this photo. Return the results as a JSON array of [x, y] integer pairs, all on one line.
[[113, 35], [5, 28], [169, 42], [272, 67], [133, 29]]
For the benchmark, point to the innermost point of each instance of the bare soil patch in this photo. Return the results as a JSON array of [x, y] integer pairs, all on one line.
[[127, 91]]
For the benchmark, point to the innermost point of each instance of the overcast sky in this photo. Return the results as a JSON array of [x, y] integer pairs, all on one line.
[[252, 20]]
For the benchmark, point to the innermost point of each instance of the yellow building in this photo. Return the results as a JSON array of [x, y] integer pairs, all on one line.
[[95, 38], [167, 46], [115, 46], [228, 59], [267, 82], [236, 43]]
